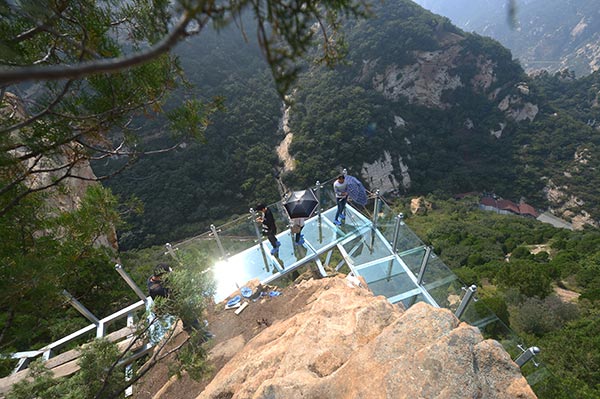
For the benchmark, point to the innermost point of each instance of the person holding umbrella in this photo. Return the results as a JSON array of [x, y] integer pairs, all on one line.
[[341, 196], [296, 229], [269, 226], [300, 205]]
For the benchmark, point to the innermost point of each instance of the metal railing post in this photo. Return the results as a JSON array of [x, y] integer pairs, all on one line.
[[423, 265], [394, 244], [86, 313], [259, 236], [130, 282], [469, 295], [171, 251], [527, 355], [80, 308], [213, 229], [397, 232], [129, 367], [318, 189], [376, 209]]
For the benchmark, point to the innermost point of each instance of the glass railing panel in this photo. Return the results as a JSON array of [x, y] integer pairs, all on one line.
[[232, 273], [445, 292], [327, 196], [388, 278], [238, 235], [367, 247], [328, 199], [386, 220], [410, 300], [289, 252], [492, 327], [202, 246], [544, 382], [479, 315], [441, 283], [407, 239], [413, 258]]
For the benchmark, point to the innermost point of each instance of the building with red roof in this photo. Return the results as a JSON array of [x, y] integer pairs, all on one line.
[[527, 210], [506, 205], [498, 205]]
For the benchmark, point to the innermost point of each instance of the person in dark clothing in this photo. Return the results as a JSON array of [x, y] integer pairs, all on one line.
[[156, 283], [268, 226]]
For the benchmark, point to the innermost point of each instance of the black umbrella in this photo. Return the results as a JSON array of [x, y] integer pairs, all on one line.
[[301, 204]]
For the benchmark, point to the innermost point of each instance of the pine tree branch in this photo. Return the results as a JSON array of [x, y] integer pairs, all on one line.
[[23, 74]]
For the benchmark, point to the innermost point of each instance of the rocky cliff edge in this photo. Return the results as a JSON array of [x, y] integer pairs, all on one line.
[[343, 342]]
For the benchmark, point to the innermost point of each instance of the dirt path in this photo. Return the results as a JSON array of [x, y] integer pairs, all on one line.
[[284, 146]]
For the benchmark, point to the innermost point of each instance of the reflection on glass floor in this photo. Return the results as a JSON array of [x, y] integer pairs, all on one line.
[[364, 250]]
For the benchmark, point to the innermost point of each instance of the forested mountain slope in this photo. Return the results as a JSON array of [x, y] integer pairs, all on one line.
[[544, 34], [201, 183], [446, 110], [434, 108]]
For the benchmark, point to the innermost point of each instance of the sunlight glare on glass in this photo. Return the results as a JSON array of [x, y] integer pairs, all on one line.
[[224, 274]]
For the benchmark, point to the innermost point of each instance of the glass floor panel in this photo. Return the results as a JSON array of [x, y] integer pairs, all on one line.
[[413, 258], [289, 253], [233, 273], [319, 235], [367, 247], [387, 278], [408, 302], [362, 243]]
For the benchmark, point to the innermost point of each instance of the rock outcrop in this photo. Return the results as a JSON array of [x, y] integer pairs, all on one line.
[[346, 343], [50, 168], [420, 206], [567, 206], [424, 81], [380, 175]]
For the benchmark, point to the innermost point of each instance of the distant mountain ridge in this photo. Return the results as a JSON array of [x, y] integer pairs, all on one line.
[[550, 35]]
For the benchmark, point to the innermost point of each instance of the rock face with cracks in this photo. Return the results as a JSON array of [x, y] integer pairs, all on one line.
[[346, 343]]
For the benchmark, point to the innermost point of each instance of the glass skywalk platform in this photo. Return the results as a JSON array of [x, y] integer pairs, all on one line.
[[373, 243], [363, 249]]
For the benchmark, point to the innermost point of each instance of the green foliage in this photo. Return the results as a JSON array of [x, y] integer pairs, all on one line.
[[192, 357], [521, 253], [193, 117], [572, 353], [528, 277], [42, 254], [191, 287], [589, 271], [498, 305], [97, 377], [522, 292], [234, 169], [540, 317]]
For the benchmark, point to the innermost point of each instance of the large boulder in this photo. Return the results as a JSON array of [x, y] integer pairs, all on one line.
[[346, 343]]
